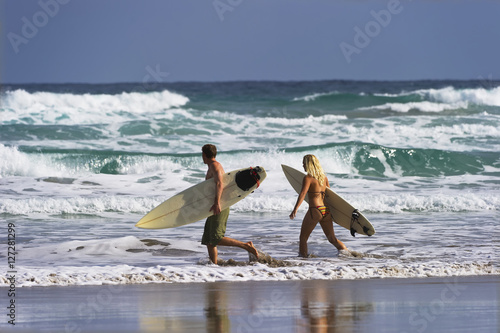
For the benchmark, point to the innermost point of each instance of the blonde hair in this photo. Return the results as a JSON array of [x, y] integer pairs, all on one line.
[[314, 169]]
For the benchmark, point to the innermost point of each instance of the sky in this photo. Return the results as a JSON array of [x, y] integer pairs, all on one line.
[[108, 41]]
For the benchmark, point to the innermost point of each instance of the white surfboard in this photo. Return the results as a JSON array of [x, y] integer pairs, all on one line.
[[193, 204], [344, 214]]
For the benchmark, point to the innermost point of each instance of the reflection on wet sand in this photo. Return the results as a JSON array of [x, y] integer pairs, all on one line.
[[221, 307], [384, 305], [181, 309], [216, 311], [327, 310]]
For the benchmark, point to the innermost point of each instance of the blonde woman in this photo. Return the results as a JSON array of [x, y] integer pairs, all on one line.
[[314, 185]]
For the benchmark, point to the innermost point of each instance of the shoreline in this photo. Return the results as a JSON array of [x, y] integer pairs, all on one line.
[[458, 303]]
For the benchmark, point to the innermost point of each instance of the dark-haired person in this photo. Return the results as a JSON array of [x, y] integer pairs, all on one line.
[[215, 226]]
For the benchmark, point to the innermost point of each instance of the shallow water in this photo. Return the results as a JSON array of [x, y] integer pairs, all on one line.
[[81, 164]]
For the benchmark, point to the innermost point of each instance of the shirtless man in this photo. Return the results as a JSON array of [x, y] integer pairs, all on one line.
[[215, 226]]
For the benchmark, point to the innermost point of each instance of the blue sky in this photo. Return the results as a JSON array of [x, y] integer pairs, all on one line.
[[105, 41]]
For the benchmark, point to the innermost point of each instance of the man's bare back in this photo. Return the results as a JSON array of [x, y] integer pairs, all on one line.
[[214, 169]]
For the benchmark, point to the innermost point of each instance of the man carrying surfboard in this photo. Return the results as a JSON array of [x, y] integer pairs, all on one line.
[[314, 185], [215, 225]]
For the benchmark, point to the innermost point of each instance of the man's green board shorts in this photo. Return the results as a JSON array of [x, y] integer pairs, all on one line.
[[215, 228]]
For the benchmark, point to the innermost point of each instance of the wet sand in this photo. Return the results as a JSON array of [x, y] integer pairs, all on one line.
[[453, 304]]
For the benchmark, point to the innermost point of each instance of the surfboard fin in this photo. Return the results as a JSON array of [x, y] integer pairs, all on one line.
[[366, 231], [354, 218]]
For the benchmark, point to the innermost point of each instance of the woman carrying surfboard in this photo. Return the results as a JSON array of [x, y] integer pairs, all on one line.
[[314, 185]]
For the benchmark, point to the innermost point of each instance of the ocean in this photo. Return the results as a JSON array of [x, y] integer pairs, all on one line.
[[80, 164]]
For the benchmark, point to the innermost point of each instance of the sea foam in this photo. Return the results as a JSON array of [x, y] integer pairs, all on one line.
[[425, 106], [321, 270], [20, 106], [450, 95]]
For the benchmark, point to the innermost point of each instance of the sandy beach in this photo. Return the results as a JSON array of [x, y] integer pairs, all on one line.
[[454, 304]]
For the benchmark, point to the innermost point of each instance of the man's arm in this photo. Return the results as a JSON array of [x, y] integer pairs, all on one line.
[[217, 173]]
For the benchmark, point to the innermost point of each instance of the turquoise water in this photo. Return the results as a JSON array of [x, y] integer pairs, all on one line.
[[80, 164]]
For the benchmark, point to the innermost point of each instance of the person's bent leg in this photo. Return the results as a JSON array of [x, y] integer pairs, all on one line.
[[248, 246], [327, 226]]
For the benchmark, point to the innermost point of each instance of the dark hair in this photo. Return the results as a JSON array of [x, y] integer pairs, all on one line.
[[209, 150]]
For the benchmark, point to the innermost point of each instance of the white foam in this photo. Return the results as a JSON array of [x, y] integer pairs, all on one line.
[[78, 205], [66, 252], [243, 132], [431, 202], [257, 202], [16, 163], [319, 270], [439, 100], [436, 100], [65, 108], [425, 106], [146, 181], [450, 95], [313, 97]]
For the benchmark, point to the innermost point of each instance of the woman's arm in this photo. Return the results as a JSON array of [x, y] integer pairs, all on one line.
[[306, 182]]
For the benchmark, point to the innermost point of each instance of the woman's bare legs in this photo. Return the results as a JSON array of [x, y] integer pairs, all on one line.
[[327, 226], [311, 219], [309, 222]]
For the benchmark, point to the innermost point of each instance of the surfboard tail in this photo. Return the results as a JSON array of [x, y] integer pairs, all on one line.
[[248, 178]]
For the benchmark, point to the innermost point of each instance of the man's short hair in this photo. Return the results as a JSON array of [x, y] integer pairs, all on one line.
[[209, 150]]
